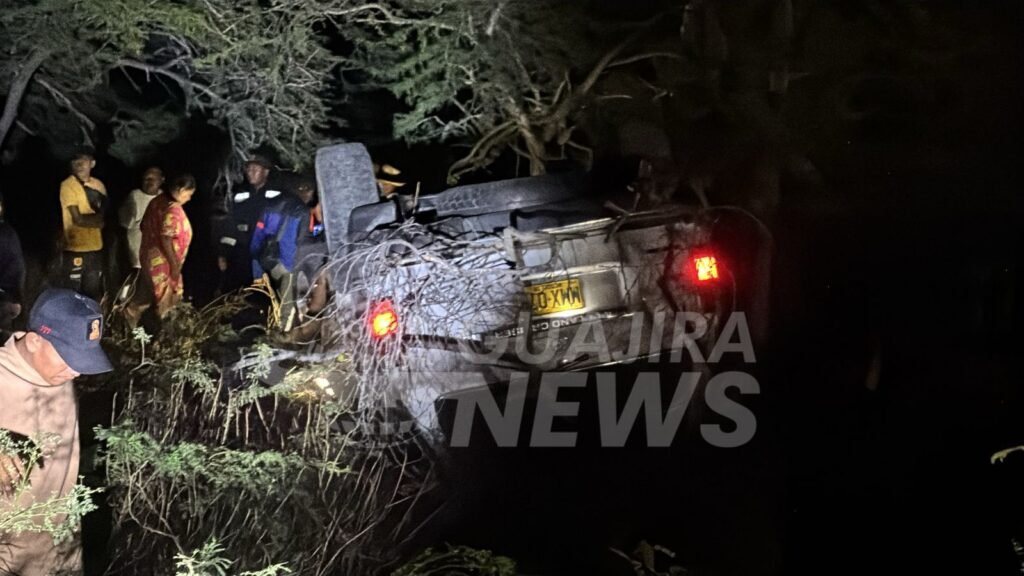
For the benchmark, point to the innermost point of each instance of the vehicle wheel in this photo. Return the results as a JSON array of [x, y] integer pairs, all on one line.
[[504, 195]]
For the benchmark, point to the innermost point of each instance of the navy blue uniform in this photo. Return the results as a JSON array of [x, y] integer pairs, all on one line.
[[245, 205], [289, 246]]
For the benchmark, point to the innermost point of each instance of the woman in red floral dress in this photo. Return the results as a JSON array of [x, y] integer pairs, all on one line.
[[166, 235]]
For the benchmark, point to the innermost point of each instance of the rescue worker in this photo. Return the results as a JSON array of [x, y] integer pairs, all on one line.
[[245, 206], [12, 273], [289, 246], [312, 282], [83, 203], [36, 373]]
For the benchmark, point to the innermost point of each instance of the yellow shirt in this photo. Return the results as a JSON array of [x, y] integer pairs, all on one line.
[[77, 238]]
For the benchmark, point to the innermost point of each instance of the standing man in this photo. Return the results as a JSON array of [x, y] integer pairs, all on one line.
[[244, 209], [83, 203], [36, 372], [134, 207], [289, 246], [12, 273]]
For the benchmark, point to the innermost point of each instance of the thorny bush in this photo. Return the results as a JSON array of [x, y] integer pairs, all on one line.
[[258, 460], [58, 516]]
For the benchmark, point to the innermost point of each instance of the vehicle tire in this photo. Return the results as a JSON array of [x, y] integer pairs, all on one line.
[[505, 195], [345, 178]]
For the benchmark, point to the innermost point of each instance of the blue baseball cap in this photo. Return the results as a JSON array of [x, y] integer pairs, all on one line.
[[73, 324]]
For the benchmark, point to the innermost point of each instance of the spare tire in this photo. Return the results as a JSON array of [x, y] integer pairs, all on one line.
[[344, 176]]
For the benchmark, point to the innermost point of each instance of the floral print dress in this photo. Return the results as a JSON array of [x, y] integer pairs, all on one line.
[[164, 218]]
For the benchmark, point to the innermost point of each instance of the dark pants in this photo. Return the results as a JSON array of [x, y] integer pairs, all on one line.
[[83, 273], [239, 272]]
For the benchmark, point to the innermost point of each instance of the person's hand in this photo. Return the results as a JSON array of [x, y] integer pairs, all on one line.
[[222, 263], [169, 300], [11, 473]]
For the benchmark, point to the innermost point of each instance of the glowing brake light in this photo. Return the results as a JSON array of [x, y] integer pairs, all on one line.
[[706, 268], [383, 319]]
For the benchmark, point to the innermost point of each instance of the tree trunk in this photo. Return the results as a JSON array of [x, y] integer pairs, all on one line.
[[18, 86]]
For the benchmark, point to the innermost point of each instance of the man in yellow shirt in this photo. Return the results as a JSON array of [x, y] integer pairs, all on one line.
[[83, 201]]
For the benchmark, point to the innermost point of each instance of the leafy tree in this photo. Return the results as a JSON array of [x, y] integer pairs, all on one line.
[[546, 79], [501, 74], [255, 69]]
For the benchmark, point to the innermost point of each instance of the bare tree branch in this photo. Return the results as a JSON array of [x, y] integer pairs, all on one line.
[[647, 56], [17, 91], [390, 17], [182, 81], [65, 102], [24, 128], [493, 22]]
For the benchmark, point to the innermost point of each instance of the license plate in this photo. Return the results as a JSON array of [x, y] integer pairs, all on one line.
[[552, 297]]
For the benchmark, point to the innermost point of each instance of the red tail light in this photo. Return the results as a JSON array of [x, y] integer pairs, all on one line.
[[383, 319], [703, 267]]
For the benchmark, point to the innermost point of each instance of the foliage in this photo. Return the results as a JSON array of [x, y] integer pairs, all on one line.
[[448, 57], [138, 132], [544, 79], [461, 560], [255, 69], [207, 561], [59, 516], [508, 74], [207, 462], [502, 74], [244, 472]]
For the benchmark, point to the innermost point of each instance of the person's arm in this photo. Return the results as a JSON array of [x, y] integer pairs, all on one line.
[[167, 244], [259, 236], [104, 202], [170, 231], [229, 229], [289, 241], [85, 220], [72, 200]]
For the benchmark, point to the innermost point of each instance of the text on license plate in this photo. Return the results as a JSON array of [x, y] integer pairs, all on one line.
[[552, 297]]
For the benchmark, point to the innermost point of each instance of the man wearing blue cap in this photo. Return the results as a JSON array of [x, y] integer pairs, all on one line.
[[36, 372]]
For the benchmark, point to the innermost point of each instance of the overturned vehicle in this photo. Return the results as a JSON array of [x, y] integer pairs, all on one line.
[[443, 296]]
